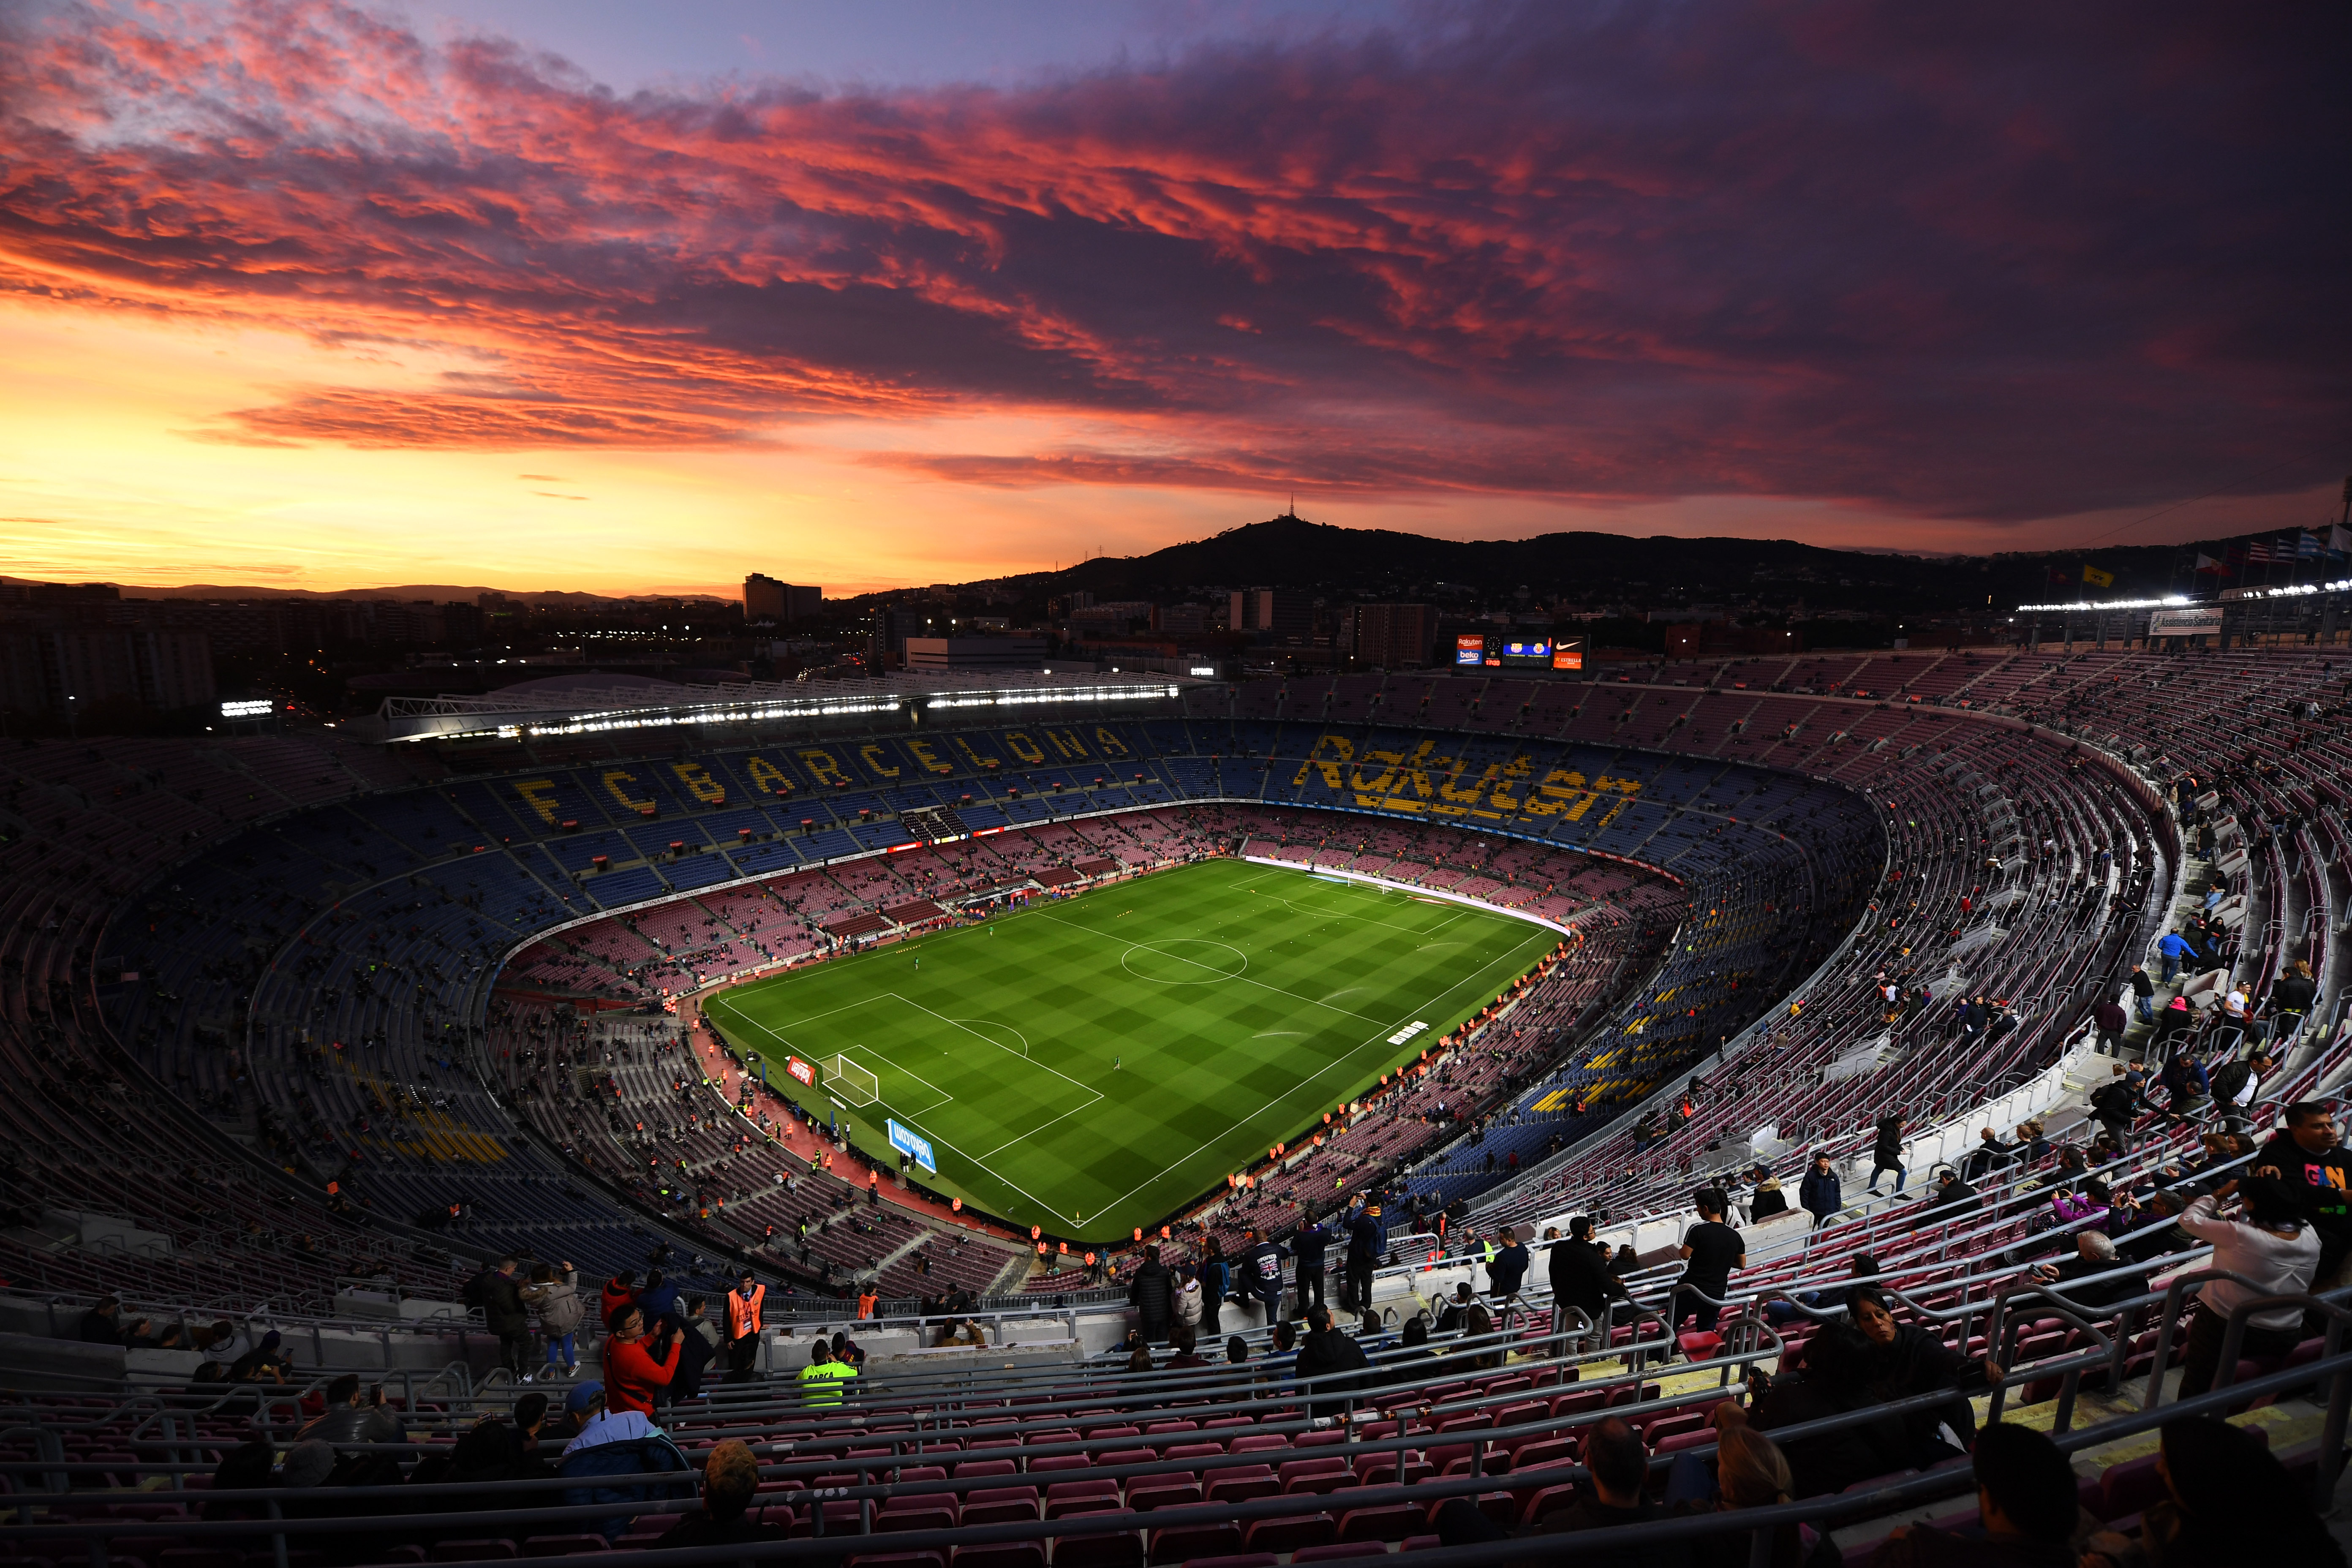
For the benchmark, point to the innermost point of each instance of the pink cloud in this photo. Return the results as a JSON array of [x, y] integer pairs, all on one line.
[[2004, 264]]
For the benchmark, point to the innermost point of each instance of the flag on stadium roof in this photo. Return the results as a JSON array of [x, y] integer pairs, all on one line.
[[2096, 578]]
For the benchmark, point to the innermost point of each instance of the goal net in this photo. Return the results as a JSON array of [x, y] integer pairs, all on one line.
[[851, 1082]]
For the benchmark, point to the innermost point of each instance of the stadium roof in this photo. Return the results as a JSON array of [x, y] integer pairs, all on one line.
[[590, 704]]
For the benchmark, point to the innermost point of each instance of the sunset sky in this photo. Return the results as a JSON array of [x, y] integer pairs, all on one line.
[[626, 298]]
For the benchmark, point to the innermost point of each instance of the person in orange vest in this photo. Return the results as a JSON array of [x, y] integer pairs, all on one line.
[[744, 1304], [868, 1299]]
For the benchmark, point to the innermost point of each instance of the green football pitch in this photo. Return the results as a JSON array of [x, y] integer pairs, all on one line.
[[1092, 1064]]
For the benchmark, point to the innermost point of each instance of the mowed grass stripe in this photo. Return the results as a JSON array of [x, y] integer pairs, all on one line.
[[1238, 1002]]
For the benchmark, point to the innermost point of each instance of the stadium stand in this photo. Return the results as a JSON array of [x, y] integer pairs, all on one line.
[[370, 1024]]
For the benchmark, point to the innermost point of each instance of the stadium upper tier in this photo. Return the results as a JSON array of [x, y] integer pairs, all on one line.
[[297, 941]]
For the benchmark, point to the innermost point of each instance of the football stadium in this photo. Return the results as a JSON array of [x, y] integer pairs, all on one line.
[[1233, 784], [1401, 1038]]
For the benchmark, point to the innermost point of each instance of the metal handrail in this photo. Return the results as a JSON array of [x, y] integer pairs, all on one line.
[[1762, 1523]]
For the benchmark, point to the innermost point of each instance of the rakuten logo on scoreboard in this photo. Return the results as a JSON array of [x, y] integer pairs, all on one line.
[[1469, 650]]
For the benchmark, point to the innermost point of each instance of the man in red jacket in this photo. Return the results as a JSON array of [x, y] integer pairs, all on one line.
[[634, 1365]]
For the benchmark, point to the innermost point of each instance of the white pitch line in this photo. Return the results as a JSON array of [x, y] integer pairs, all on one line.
[[975, 1034], [1244, 979], [1008, 1143], [1337, 1061]]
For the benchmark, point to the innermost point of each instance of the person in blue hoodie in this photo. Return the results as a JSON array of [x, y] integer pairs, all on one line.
[[2175, 949]]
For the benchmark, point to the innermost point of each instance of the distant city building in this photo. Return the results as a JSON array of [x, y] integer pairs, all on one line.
[[1274, 614], [765, 599], [1389, 636], [70, 671], [1183, 619], [975, 653], [885, 638]]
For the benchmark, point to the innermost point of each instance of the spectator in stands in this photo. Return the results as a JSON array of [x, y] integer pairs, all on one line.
[[495, 1450], [1749, 1470], [697, 1347], [1367, 1244], [103, 1325], [1988, 1156], [1580, 1276], [265, 1362], [1216, 1278], [612, 1444], [2142, 990], [2272, 1246], [1765, 1198], [1186, 1344], [730, 1478], [1308, 1245], [824, 1380], [2027, 1502], [2094, 1253], [1259, 1272], [2110, 1020], [2091, 1205], [556, 1302], [2227, 1500], [2175, 950], [1506, 1270], [1887, 1151], [349, 1420], [635, 1366], [1900, 1360], [1619, 1466], [2236, 1085], [1189, 1295], [1819, 1190], [2292, 996], [2116, 1104], [659, 1298], [1152, 1293], [619, 1291], [1326, 1355], [1451, 1318], [1711, 1250], [498, 1292], [2175, 1021], [1953, 1199], [2185, 1086], [2306, 1155]]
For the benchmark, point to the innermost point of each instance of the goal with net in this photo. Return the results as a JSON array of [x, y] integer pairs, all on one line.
[[853, 1084]]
